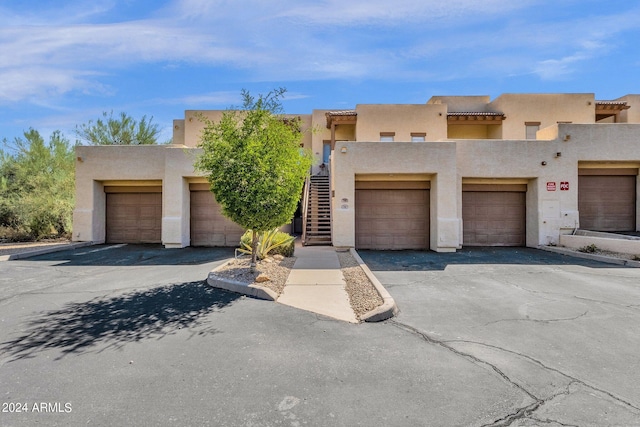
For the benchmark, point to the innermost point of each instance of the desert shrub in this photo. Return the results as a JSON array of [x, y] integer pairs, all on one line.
[[589, 249], [37, 183], [254, 164], [10, 234], [273, 242]]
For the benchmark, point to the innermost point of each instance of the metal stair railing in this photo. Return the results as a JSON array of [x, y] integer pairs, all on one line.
[[305, 206]]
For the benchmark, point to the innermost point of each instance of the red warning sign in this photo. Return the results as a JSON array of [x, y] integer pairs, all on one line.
[[551, 186], [564, 186]]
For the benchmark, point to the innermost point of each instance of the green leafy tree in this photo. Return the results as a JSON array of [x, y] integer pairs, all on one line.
[[121, 130], [254, 163], [37, 183]]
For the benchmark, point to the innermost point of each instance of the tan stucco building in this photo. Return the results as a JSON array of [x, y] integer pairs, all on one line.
[[519, 170]]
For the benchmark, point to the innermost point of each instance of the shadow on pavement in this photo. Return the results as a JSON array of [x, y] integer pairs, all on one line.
[[127, 255], [114, 321], [433, 261]]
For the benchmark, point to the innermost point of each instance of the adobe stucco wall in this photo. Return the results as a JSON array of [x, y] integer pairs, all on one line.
[[548, 109], [167, 165], [462, 104], [319, 133], [520, 161], [401, 119], [437, 160], [448, 164], [631, 115], [189, 130], [531, 162]]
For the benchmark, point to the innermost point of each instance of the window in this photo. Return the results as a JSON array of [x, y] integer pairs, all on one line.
[[418, 136], [531, 128], [387, 136]]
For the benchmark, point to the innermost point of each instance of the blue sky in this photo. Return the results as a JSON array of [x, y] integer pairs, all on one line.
[[62, 63]]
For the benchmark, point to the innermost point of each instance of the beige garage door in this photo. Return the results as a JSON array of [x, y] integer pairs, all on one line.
[[494, 215], [134, 217], [392, 218], [208, 226], [607, 199]]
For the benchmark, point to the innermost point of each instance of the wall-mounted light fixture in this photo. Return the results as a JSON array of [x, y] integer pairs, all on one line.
[[343, 150], [80, 159], [567, 137]]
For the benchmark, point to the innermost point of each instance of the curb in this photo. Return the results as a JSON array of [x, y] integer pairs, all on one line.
[[255, 291], [388, 309], [45, 250], [593, 257]]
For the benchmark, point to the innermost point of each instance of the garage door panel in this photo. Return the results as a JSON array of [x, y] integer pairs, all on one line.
[[513, 213], [607, 202], [134, 217], [494, 218], [209, 227], [383, 240], [392, 219], [410, 241], [479, 239], [148, 211]]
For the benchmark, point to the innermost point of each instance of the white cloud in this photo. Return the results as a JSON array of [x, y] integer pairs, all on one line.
[[205, 99], [425, 12], [37, 83], [554, 69], [63, 51], [218, 100]]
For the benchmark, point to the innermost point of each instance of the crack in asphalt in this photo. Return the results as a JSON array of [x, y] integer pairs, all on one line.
[[468, 356], [549, 368], [506, 282], [632, 306], [538, 320], [519, 414], [550, 421], [523, 412]]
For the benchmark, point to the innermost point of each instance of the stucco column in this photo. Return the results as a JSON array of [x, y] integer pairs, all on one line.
[[444, 220], [176, 199]]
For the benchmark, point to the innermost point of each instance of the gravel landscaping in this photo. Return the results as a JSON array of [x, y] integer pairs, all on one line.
[[362, 294], [272, 273], [22, 247], [598, 251]]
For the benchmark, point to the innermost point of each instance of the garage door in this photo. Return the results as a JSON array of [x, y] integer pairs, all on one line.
[[392, 218], [134, 216], [208, 226], [607, 199], [494, 215]]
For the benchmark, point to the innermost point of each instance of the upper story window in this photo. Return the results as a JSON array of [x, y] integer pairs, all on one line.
[[387, 136], [418, 136], [531, 129]]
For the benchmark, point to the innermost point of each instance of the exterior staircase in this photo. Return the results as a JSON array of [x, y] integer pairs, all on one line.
[[317, 208]]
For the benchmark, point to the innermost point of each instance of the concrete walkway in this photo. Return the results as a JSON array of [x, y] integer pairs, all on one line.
[[316, 284]]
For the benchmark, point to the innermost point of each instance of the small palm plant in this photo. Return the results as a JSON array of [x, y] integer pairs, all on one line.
[[270, 242]]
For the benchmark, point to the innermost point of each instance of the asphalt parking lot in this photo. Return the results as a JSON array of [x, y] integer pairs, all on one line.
[[561, 330], [131, 335]]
